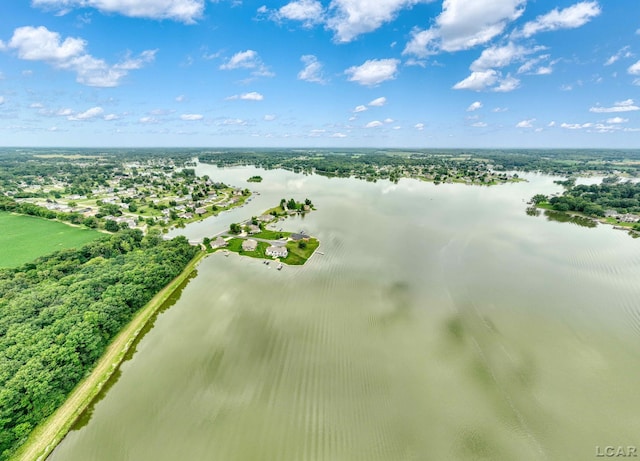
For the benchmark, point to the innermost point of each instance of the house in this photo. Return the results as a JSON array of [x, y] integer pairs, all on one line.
[[300, 236], [219, 243], [265, 218], [201, 211], [277, 252], [249, 245], [253, 229]]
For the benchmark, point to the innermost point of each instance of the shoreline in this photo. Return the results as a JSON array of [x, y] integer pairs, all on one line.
[[46, 436]]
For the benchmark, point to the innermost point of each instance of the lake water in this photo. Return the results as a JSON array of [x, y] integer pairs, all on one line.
[[441, 323]]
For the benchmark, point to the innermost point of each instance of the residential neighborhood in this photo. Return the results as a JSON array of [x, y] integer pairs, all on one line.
[[100, 193]]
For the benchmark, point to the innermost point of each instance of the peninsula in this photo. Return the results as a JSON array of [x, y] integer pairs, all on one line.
[[252, 238]]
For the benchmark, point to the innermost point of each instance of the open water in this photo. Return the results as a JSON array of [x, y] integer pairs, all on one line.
[[441, 323]]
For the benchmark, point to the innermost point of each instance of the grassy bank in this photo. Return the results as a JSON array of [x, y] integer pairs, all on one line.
[[298, 256], [46, 436]]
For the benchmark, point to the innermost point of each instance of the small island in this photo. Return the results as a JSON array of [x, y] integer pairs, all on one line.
[[252, 238], [255, 179]]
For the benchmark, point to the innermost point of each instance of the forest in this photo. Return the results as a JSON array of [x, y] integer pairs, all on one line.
[[59, 313]]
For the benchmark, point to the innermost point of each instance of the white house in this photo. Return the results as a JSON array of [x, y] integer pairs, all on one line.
[[249, 245], [277, 251]]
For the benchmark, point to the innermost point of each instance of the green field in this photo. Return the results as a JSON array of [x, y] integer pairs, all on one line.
[[24, 238]]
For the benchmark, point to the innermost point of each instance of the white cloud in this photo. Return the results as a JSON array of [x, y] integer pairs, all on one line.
[[591, 127], [248, 59], [634, 69], [180, 98], [479, 124], [148, 120], [528, 66], [525, 123], [186, 11], [373, 71], [551, 124], [350, 18], [621, 106], [269, 118], [252, 96], [501, 56], [616, 120], [64, 112], [463, 25], [242, 60], [191, 117], [499, 109], [360, 108], [234, 121], [474, 106], [507, 84], [544, 70], [488, 80], [338, 135], [1, 100], [388, 120], [378, 102], [373, 124], [478, 81], [622, 53], [87, 115], [307, 11], [423, 43], [41, 44], [312, 71], [568, 18], [111, 117], [419, 126]]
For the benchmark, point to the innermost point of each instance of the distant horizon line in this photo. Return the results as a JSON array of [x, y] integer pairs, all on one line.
[[321, 148]]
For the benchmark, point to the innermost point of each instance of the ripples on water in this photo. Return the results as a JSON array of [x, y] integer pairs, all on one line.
[[454, 328]]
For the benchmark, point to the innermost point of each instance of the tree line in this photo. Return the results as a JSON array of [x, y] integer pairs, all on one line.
[[595, 199], [59, 313]]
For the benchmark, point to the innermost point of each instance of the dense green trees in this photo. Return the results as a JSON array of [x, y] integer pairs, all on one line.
[[58, 313], [595, 199]]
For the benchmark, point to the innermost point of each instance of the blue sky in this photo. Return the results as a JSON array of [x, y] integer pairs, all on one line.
[[310, 73]]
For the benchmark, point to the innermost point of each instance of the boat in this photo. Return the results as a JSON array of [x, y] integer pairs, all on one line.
[[280, 266], [226, 252], [320, 253]]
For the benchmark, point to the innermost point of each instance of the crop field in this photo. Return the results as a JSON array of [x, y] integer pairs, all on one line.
[[24, 238]]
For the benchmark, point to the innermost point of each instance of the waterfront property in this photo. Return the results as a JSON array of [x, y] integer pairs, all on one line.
[[219, 243], [249, 245], [277, 251]]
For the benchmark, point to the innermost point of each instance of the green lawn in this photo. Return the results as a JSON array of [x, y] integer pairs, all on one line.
[[271, 235], [235, 245], [24, 238], [298, 256]]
